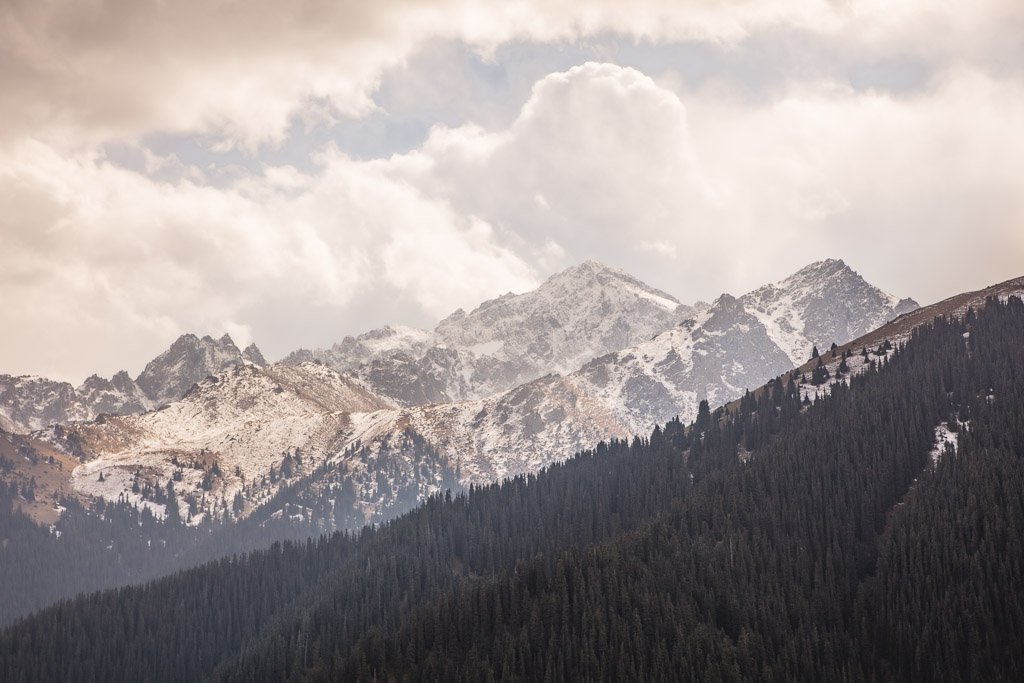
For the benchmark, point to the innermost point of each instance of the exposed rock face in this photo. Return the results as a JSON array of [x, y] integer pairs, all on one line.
[[254, 355], [190, 358], [822, 303], [371, 346], [29, 402], [120, 395], [583, 312]]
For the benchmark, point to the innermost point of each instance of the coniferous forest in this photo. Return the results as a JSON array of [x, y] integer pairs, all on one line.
[[777, 541]]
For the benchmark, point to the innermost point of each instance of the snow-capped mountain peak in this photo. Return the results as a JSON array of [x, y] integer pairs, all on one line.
[[584, 311], [823, 302], [738, 343]]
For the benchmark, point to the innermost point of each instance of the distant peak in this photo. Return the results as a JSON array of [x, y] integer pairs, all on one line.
[[826, 265], [193, 340], [588, 267], [819, 271], [253, 354]]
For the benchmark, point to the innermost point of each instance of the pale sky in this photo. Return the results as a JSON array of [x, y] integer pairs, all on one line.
[[294, 172]]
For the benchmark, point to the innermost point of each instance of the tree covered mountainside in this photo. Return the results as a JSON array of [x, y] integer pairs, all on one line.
[[774, 540]]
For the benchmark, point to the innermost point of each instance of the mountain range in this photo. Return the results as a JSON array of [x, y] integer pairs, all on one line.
[[30, 402], [870, 534], [519, 382]]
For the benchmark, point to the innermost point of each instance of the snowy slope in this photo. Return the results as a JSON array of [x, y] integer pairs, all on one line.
[[517, 431], [822, 303], [727, 347], [580, 313], [371, 346], [737, 344], [232, 429], [239, 430]]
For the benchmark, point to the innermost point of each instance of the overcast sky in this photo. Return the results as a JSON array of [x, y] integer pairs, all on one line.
[[295, 172]]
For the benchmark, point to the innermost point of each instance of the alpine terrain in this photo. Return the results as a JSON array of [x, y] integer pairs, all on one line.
[[360, 433]]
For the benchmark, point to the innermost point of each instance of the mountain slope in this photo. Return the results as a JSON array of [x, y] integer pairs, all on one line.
[[233, 433], [822, 303], [737, 344], [582, 312], [717, 355], [832, 549], [352, 352], [28, 402]]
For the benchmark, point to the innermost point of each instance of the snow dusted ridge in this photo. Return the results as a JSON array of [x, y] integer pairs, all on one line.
[[822, 303], [518, 383], [516, 431], [30, 403], [737, 344], [717, 354], [353, 352], [231, 430], [585, 311]]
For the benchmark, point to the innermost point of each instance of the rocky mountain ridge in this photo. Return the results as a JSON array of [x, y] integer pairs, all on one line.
[[29, 403], [715, 353], [584, 311]]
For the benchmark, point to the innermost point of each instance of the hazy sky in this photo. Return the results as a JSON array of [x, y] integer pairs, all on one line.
[[294, 172]]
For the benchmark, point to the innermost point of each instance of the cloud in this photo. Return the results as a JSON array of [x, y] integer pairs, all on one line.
[[79, 73], [721, 193], [113, 265], [695, 187]]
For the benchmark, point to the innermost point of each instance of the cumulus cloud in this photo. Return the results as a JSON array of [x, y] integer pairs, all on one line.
[[724, 194]]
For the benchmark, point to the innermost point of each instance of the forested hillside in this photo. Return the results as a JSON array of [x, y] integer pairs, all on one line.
[[781, 540]]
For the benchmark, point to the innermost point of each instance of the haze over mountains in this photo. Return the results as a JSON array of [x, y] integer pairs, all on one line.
[[519, 382]]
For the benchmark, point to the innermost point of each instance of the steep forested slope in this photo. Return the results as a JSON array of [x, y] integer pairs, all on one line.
[[778, 540]]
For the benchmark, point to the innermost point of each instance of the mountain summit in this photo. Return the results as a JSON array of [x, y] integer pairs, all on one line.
[[823, 302], [167, 377], [738, 343], [584, 311]]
